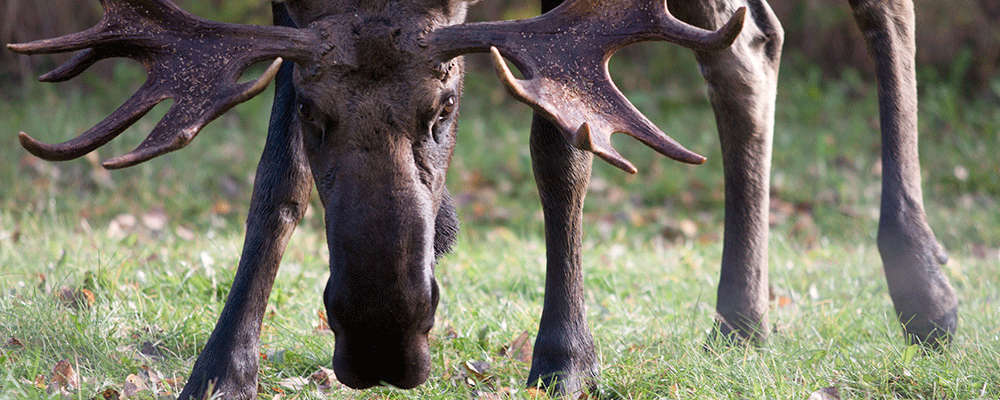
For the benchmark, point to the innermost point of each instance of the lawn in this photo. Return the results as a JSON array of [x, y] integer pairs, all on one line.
[[122, 274]]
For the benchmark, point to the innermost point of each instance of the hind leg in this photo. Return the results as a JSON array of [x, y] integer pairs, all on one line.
[[924, 300]]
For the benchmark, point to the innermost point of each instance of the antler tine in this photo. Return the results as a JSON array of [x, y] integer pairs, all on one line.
[[109, 128], [180, 125], [194, 61], [564, 55]]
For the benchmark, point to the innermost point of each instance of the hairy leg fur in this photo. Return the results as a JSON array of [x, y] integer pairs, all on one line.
[[564, 358], [742, 84], [924, 300], [228, 363]]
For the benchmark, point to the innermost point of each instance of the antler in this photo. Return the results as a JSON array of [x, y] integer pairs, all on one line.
[[564, 55], [192, 60]]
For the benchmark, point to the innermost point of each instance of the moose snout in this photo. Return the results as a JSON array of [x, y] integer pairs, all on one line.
[[381, 294], [361, 364]]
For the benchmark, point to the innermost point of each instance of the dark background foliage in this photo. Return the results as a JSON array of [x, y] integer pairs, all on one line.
[[958, 40]]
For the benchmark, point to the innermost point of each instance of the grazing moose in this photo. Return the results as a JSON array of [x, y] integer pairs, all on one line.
[[368, 114]]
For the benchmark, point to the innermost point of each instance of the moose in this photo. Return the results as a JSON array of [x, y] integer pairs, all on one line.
[[367, 109]]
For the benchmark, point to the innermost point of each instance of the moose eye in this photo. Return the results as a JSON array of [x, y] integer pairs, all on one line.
[[305, 112], [448, 106]]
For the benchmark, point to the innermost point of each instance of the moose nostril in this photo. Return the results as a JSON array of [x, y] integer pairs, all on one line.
[[360, 366]]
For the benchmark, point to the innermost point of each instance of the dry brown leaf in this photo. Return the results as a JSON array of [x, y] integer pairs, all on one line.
[[110, 394], [76, 299], [40, 381], [133, 385], [174, 382], [449, 333], [477, 369], [129, 389], [151, 350], [14, 343], [537, 393], [491, 396], [827, 393], [155, 382], [294, 382], [520, 348], [324, 326], [63, 377], [324, 378]]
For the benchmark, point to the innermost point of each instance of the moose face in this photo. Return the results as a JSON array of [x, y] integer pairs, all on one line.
[[378, 121]]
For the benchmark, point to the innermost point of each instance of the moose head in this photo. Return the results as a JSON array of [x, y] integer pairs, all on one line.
[[376, 90]]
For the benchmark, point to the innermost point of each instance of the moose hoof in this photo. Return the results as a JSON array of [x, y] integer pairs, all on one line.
[[933, 334], [727, 333], [564, 377]]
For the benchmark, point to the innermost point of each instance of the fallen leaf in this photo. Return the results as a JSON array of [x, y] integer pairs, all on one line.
[[63, 377], [324, 378], [133, 385], [519, 349], [324, 325], [449, 333], [294, 382], [151, 350], [40, 381], [477, 368], [130, 389], [174, 382], [827, 393], [14, 343], [110, 394], [76, 299], [491, 396]]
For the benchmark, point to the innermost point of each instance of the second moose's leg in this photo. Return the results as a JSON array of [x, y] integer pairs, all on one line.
[[925, 302], [742, 84]]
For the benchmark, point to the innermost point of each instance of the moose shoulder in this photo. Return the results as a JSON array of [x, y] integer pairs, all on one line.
[[367, 109]]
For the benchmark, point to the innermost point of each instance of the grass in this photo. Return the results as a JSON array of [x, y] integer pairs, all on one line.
[[159, 278]]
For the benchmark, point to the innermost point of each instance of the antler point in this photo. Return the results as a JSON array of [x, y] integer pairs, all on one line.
[[508, 79], [582, 139]]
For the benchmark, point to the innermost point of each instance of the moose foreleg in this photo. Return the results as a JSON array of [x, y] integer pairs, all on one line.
[[924, 300], [563, 359], [742, 84], [228, 363]]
